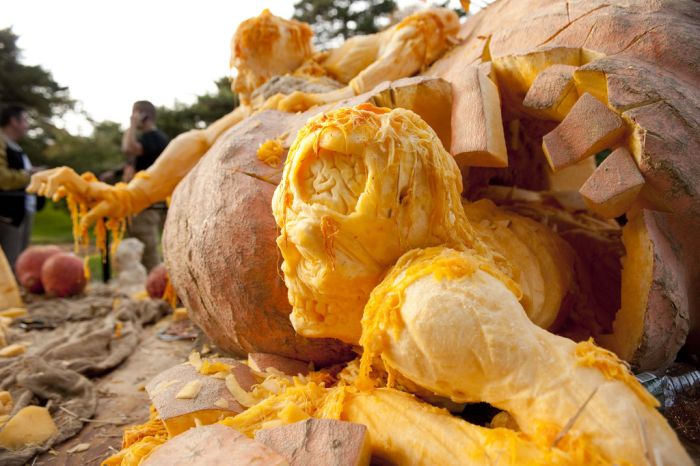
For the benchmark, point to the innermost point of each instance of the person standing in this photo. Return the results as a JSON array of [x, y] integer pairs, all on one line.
[[142, 143], [17, 208]]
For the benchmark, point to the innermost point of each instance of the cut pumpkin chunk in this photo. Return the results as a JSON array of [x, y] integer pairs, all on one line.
[[614, 186], [9, 291], [319, 441], [592, 81], [572, 177], [517, 73], [589, 128], [185, 397], [14, 312], [262, 361], [32, 425], [214, 445], [6, 402], [428, 97], [13, 350], [553, 93], [477, 137]]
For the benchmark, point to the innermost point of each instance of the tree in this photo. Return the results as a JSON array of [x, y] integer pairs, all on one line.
[[30, 86], [96, 153], [332, 20], [33, 87]]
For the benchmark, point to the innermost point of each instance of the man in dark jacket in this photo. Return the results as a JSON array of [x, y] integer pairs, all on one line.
[[17, 208], [142, 143]]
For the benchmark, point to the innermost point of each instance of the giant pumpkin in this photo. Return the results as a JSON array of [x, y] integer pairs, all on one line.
[[538, 88], [443, 320]]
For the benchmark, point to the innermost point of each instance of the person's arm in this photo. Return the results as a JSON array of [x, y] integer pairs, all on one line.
[[11, 179], [130, 144]]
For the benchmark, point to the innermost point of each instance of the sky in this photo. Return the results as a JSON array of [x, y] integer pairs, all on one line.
[[112, 53]]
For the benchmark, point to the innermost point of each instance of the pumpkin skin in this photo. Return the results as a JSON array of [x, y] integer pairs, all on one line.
[[650, 334], [157, 281], [220, 250], [63, 275]]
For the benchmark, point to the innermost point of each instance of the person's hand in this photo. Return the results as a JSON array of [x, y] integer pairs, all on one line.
[[128, 173], [137, 118]]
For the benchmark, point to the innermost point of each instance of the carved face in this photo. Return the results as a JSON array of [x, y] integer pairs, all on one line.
[[267, 46], [361, 186]]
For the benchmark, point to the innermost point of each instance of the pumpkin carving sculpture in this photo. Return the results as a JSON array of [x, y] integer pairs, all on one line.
[[634, 76], [424, 259]]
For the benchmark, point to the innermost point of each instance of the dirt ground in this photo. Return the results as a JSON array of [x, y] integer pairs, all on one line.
[[122, 400]]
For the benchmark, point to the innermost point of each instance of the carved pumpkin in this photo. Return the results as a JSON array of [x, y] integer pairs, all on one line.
[[539, 86], [578, 77]]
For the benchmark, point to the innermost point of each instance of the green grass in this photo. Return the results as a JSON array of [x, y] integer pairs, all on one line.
[[52, 225], [95, 265]]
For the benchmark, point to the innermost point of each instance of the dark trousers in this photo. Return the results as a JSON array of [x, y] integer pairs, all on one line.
[[15, 239], [146, 227]]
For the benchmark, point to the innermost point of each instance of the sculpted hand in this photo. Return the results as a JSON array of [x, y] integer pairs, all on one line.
[[55, 183], [102, 199]]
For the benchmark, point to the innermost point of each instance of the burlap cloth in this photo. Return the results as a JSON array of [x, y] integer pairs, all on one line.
[[74, 339]]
